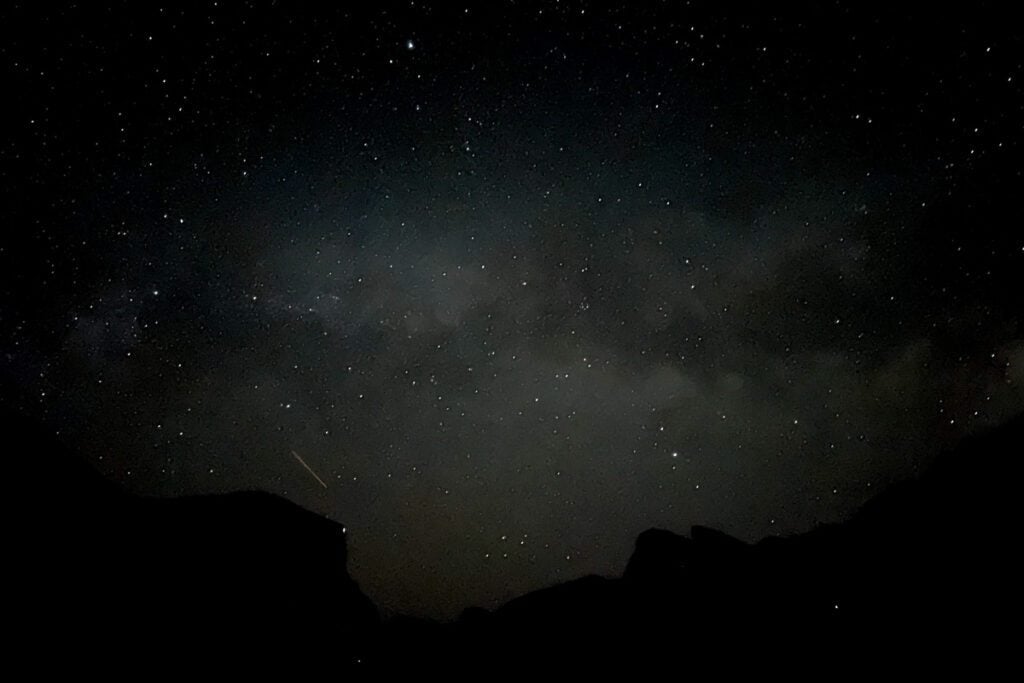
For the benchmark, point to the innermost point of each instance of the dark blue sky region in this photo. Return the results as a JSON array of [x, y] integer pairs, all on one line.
[[516, 281]]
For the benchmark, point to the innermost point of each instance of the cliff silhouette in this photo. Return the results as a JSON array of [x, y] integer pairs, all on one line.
[[927, 571], [123, 582]]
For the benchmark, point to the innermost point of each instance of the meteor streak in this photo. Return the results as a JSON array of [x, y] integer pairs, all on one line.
[[308, 468]]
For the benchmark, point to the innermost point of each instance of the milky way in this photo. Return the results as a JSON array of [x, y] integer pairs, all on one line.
[[515, 283]]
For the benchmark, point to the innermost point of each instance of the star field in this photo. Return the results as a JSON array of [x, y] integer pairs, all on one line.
[[500, 286]]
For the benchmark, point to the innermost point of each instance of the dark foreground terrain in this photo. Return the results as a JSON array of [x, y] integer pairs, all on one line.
[[925, 575]]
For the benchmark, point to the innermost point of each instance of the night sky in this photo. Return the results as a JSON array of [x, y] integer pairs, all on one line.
[[515, 281]]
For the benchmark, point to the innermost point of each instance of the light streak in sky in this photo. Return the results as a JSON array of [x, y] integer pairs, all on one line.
[[309, 469]]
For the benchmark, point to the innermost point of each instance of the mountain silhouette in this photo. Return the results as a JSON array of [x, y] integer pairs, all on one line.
[[122, 579], [925, 575], [926, 572]]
